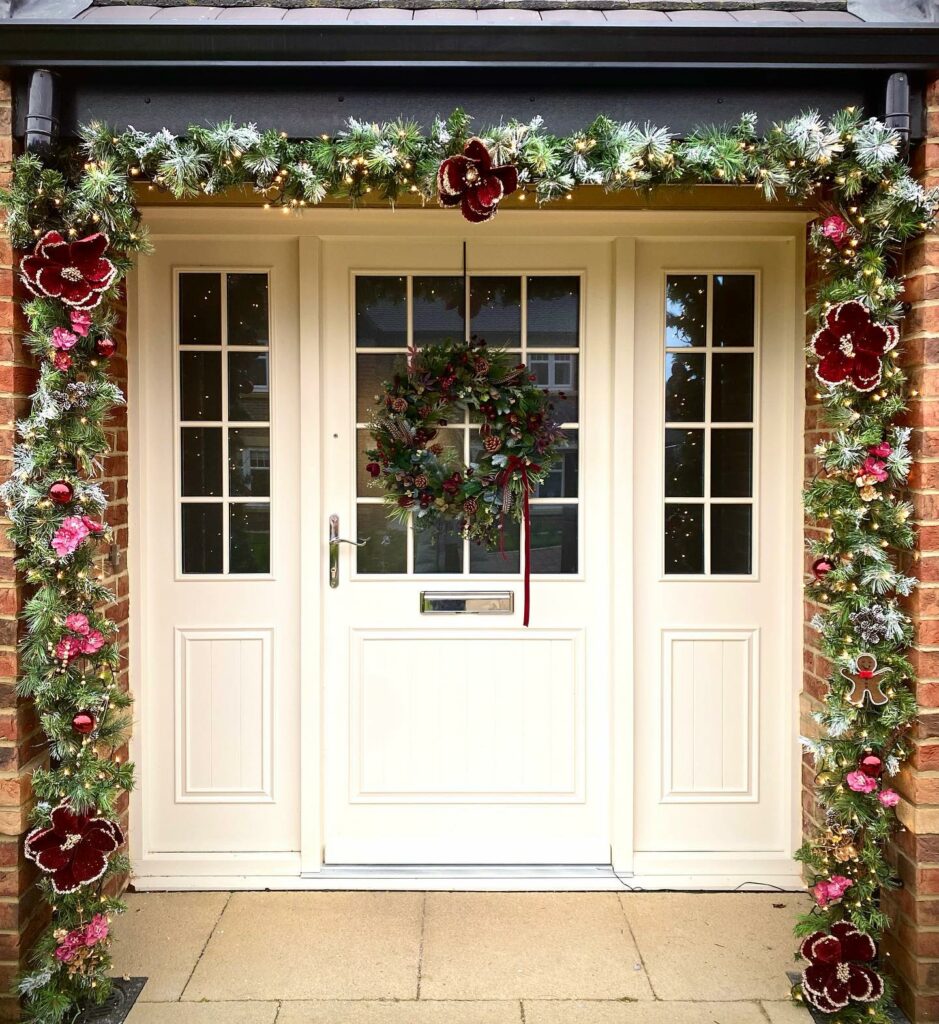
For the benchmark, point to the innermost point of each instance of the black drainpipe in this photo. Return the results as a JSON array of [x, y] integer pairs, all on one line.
[[42, 111], [898, 107]]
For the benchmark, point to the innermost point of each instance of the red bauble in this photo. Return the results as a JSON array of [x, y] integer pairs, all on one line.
[[821, 567], [84, 722], [871, 766], [106, 347], [61, 492]]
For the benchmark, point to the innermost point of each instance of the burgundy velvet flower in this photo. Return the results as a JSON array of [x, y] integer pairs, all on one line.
[[75, 272], [472, 183], [850, 346], [837, 974], [74, 850]]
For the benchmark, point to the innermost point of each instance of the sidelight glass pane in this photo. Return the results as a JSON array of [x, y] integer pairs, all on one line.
[[249, 537], [553, 312], [684, 539], [557, 373], [381, 312], [202, 538], [496, 562], [200, 385], [732, 463], [248, 310], [386, 550], [201, 451], [554, 539], [371, 371], [734, 304], [438, 549], [438, 310], [684, 387], [200, 309], [249, 462], [732, 388], [731, 539], [686, 317], [561, 482], [684, 463], [496, 310], [248, 386]]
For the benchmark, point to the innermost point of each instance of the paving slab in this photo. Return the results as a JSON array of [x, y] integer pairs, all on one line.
[[605, 1012], [313, 945], [787, 1012], [715, 946], [203, 1013], [161, 936], [444, 1012], [529, 946]]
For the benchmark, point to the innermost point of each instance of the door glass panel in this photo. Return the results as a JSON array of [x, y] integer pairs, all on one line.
[[202, 539], [200, 309], [200, 385], [201, 454], [217, 459], [686, 310], [386, 550], [250, 533], [248, 320], [553, 310], [496, 310], [511, 311], [248, 387], [438, 311], [684, 387], [381, 312], [709, 388]]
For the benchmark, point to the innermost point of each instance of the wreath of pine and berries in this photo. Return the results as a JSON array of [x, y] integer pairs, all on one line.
[[423, 477]]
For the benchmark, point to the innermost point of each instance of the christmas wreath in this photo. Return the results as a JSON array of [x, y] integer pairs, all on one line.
[[428, 480]]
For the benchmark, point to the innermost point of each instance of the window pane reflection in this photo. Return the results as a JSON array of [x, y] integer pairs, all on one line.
[[200, 309], [248, 386], [249, 537], [732, 539], [496, 310], [553, 539], [247, 310], [249, 462], [201, 458], [202, 538], [200, 385], [438, 548], [381, 312], [386, 550], [439, 309], [553, 312], [684, 539], [686, 300], [684, 463], [684, 387]]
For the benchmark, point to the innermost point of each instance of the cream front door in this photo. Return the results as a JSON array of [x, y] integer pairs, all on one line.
[[467, 739]]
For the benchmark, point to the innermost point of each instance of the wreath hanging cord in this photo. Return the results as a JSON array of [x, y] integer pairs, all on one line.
[[426, 482]]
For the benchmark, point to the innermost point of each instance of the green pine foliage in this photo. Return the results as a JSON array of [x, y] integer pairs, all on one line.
[[847, 165]]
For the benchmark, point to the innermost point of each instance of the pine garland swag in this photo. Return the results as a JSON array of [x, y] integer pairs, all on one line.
[[848, 165]]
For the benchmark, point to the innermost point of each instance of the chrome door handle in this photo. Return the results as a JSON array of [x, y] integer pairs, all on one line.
[[334, 541]]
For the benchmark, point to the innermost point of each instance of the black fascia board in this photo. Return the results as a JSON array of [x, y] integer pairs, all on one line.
[[63, 44]]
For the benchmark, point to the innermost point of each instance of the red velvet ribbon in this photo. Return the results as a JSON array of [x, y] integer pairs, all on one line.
[[520, 466]]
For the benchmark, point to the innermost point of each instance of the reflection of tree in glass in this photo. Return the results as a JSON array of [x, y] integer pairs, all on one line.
[[684, 382], [686, 309]]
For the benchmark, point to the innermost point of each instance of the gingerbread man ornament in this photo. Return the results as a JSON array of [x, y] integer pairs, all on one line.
[[865, 681]]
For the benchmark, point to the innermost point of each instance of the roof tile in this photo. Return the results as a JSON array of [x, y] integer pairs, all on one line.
[[629, 17], [189, 15], [123, 14], [768, 17], [317, 16], [699, 17], [251, 15], [581, 16], [379, 16]]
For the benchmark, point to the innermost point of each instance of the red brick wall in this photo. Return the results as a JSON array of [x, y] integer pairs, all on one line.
[[21, 742], [913, 945]]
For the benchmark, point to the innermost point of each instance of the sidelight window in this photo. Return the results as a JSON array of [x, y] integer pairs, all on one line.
[[536, 316], [710, 423], [223, 422]]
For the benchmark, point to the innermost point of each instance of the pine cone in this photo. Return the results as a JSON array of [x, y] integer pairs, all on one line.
[[492, 444], [400, 405], [470, 506], [420, 480]]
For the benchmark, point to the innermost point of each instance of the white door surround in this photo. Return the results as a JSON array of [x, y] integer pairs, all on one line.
[[311, 260]]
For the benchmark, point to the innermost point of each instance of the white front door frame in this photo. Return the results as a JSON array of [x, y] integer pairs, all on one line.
[[621, 229]]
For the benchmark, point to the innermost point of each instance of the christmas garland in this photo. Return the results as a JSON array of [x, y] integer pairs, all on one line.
[[429, 482], [848, 165]]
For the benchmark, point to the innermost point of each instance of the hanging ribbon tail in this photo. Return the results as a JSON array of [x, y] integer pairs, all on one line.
[[527, 517], [517, 465]]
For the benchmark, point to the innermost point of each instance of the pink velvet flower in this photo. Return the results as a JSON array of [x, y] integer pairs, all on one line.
[[81, 321], [77, 623], [836, 229], [62, 361], [881, 451], [889, 797], [831, 889], [63, 339], [93, 642], [69, 946], [96, 930], [860, 782], [71, 532], [68, 647], [875, 468], [92, 525]]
